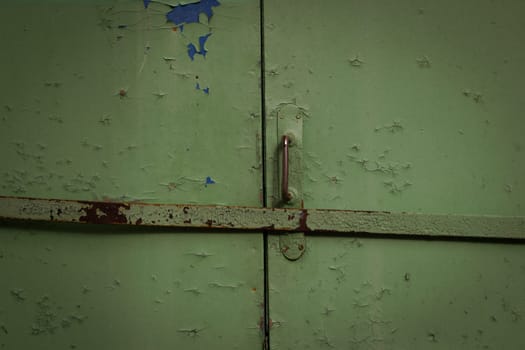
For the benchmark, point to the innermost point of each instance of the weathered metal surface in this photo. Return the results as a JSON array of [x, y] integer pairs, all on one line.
[[401, 111], [257, 219], [100, 100], [361, 293], [408, 106], [98, 287], [116, 93]]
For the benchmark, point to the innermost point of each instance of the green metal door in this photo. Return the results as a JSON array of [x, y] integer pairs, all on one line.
[[398, 106], [121, 102], [404, 172]]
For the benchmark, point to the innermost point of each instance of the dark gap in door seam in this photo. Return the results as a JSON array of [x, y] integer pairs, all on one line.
[[266, 301]]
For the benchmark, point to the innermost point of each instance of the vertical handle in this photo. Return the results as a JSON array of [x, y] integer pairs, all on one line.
[[286, 195]]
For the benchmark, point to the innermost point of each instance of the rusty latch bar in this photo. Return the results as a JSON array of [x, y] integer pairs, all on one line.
[[259, 219]]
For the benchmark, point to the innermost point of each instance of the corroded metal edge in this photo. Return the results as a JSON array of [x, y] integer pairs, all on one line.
[[258, 219]]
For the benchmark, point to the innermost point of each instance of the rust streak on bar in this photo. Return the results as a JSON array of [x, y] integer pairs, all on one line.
[[104, 213], [256, 219]]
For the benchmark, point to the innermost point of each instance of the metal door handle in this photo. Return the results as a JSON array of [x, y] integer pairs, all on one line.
[[286, 195]]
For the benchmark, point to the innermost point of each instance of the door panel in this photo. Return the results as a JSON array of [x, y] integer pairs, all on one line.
[[100, 100], [355, 293], [406, 106], [66, 287]]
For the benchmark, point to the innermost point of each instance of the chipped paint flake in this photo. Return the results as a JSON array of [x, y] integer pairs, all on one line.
[[209, 181], [184, 14], [192, 50], [189, 13], [356, 61], [423, 62]]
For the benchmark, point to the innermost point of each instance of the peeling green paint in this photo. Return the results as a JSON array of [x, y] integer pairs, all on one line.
[[385, 75]]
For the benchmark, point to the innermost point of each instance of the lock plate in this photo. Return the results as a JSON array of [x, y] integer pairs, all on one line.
[[292, 245], [290, 119]]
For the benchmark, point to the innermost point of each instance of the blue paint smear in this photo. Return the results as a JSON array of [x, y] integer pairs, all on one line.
[[192, 50], [206, 90], [146, 3], [202, 42], [209, 181], [190, 13]]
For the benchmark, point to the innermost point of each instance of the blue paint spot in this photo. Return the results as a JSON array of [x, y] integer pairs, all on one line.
[[192, 51], [202, 43], [209, 181], [190, 13], [206, 90]]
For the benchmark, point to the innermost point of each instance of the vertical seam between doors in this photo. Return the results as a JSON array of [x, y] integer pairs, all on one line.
[[266, 301]]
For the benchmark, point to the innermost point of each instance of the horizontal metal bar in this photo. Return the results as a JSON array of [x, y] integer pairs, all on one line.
[[258, 219]]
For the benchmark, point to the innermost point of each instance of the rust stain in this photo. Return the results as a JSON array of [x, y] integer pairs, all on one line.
[[103, 213], [261, 323], [303, 224]]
